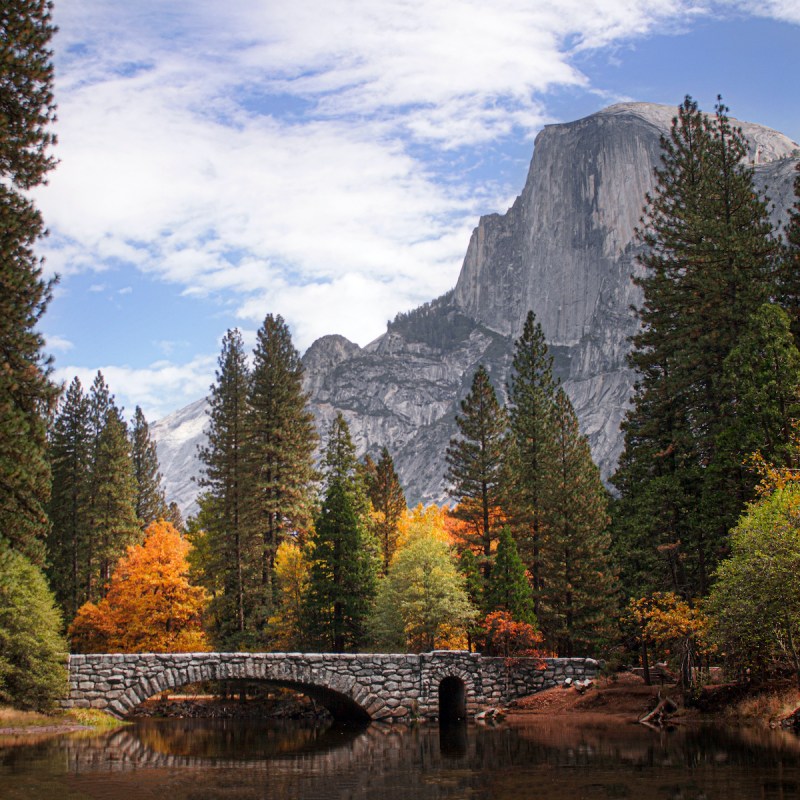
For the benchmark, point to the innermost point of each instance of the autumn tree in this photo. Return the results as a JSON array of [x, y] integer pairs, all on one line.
[[229, 568], [709, 260], [344, 562], [475, 459], [278, 452], [150, 605], [388, 503], [292, 576], [27, 395], [422, 603], [150, 502], [503, 636]]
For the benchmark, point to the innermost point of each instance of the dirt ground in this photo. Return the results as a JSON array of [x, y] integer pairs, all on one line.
[[623, 698]]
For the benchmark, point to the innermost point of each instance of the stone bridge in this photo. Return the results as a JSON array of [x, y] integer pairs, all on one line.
[[368, 686]]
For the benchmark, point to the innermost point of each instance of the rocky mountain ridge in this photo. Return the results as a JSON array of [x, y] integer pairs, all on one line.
[[564, 249]]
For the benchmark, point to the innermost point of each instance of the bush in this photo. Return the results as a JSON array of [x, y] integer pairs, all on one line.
[[33, 671]]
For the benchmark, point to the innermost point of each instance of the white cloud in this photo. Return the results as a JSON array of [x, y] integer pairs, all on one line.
[[158, 389], [57, 344], [290, 156]]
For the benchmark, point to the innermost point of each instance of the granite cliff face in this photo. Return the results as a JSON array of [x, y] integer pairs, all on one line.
[[564, 249]]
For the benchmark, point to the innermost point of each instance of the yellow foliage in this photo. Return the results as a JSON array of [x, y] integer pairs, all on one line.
[[150, 605], [774, 478], [665, 618], [421, 523], [292, 574]]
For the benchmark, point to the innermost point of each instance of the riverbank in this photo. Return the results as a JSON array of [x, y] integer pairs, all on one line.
[[625, 698], [16, 723]]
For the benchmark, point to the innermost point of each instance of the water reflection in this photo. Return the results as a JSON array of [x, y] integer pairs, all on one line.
[[200, 760]]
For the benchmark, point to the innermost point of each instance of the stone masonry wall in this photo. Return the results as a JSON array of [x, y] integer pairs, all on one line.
[[376, 686]]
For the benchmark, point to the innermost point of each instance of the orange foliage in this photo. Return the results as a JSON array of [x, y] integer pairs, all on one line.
[[150, 605], [504, 636], [463, 528]]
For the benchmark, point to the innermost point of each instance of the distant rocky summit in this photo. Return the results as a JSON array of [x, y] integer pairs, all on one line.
[[564, 249]]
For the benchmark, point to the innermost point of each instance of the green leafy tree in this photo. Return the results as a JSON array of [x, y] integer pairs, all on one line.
[[344, 566], [709, 264], [754, 603], [227, 568], [151, 504], [70, 456], [388, 503], [279, 449], [508, 588], [475, 461], [531, 392], [32, 651], [27, 395], [422, 603]]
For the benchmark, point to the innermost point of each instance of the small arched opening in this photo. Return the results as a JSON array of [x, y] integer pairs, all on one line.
[[452, 700]]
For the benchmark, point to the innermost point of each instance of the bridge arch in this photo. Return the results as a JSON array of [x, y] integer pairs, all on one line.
[[452, 689], [344, 696]]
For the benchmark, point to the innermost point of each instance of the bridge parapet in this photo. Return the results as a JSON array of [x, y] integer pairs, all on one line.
[[367, 685]]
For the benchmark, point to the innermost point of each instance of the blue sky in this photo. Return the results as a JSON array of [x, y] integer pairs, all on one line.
[[327, 161]]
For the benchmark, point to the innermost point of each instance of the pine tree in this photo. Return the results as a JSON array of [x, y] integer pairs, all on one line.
[[27, 394], [388, 503], [579, 592], [343, 572], [475, 464], [531, 399], [229, 548], [279, 450], [709, 265], [150, 502], [70, 457], [508, 588], [761, 384], [789, 273], [113, 522]]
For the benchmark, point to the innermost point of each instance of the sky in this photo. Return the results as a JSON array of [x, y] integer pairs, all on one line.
[[327, 160]]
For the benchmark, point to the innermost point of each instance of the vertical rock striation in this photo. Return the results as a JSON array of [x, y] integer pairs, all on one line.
[[564, 249]]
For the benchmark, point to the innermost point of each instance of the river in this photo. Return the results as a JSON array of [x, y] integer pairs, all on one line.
[[543, 759]]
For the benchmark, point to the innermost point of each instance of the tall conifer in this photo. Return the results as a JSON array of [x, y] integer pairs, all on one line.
[[709, 265], [151, 504], [508, 588], [531, 396], [230, 553], [279, 448], [388, 503], [579, 591], [475, 464], [27, 394], [70, 456], [342, 578]]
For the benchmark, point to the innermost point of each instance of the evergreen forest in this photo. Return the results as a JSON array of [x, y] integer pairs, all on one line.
[[691, 556]]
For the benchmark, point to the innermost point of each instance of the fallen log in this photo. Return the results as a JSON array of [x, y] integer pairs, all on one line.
[[658, 717]]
